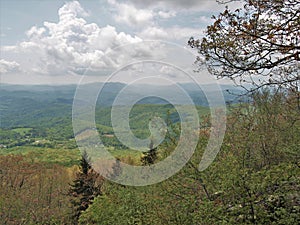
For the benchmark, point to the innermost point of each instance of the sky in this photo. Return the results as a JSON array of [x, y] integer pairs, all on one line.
[[66, 42]]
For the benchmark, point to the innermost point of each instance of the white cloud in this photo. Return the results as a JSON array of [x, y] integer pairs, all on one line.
[[166, 14], [8, 66], [35, 32], [71, 10], [155, 33], [168, 70], [130, 15], [72, 44], [69, 46]]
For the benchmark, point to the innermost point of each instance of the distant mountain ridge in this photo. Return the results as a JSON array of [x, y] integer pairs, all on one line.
[[111, 90], [38, 104]]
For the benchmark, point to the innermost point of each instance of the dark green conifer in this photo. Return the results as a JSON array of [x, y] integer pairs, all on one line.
[[86, 186], [150, 156]]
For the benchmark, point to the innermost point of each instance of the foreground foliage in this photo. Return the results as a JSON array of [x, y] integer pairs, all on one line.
[[33, 193], [254, 180]]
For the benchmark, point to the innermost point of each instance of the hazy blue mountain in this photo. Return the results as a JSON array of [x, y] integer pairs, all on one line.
[[22, 105]]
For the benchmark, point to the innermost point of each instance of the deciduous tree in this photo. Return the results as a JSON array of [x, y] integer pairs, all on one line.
[[258, 44]]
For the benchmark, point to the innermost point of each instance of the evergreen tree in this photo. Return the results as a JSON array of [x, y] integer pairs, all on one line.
[[150, 156], [86, 186]]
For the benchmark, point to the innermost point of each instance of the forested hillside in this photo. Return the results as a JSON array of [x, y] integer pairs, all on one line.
[[255, 177]]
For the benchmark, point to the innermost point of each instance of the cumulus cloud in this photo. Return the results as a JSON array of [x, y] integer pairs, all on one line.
[[154, 33], [130, 15], [72, 10], [71, 45], [8, 66]]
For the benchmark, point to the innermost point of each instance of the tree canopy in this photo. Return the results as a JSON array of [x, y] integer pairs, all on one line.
[[257, 44]]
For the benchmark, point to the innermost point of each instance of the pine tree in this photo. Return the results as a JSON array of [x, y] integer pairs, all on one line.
[[86, 186], [150, 156]]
